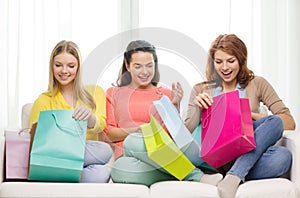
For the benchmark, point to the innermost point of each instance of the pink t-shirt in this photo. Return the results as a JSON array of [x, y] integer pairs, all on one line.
[[127, 107]]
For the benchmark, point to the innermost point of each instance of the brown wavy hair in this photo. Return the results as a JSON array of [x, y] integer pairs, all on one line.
[[230, 44]]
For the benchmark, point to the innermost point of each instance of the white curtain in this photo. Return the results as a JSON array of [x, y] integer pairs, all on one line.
[[280, 50], [30, 29], [203, 21]]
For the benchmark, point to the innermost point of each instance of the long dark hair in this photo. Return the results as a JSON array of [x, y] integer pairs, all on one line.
[[124, 77]]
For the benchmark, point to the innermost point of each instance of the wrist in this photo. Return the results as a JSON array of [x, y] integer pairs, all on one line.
[[91, 121]]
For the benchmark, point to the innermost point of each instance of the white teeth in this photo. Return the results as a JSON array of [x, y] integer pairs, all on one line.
[[64, 76], [225, 73], [144, 78]]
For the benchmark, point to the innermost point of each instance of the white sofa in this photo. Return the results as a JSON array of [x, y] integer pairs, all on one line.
[[268, 188]]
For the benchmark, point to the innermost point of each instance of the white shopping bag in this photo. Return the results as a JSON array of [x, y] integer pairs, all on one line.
[[174, 123]]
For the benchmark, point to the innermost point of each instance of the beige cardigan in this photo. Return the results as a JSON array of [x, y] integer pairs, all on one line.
[[258, 90]]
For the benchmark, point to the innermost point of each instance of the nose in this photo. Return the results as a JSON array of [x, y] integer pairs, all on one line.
[[224, 66], [144, 70], [64, 69]]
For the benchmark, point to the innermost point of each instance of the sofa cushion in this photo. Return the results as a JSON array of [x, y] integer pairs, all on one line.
[[45, 189], [182, 189], [275, 188], [268, 188], [25, 115]]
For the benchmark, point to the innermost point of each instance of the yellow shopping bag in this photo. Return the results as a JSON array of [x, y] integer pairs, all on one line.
[[162, 150]]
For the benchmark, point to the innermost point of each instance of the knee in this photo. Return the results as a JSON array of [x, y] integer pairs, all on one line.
[[282, 160], [99, 145], [276, 122], [134, 142], [275, 125], [131, 170], [286, 158], [107, 149], [97, 152]]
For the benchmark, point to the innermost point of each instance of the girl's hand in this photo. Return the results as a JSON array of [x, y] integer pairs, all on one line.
[[177, 93], [203, 100], [257, 116], [83, 113]]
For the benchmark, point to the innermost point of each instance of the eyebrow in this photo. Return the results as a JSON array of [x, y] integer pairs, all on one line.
[[232, 57], [144, 64], [68, 64]]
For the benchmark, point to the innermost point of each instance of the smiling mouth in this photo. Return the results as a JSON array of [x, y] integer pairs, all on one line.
[[144, 78], [64, 77], [227, 74]]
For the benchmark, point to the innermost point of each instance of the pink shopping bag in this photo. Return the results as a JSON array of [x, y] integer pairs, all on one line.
[[17, 154], [227, 129]]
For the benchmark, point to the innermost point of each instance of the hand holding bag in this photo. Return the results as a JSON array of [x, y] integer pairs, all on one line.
[[58, 147], [162, 150], [227, 129], [189, 143], [171, 118]]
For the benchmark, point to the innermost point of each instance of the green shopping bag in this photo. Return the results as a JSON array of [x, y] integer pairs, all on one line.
[[162, 150], [197, 134], [57, 152]]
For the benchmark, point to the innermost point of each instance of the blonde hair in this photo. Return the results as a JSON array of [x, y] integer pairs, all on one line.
[[81, 93]]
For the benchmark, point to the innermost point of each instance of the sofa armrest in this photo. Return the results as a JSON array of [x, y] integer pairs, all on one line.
[[291, 140], [2, 160]]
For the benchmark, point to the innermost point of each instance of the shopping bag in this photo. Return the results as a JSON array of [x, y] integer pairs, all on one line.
[[175, 125], [227, 129], [189, 143], [177, 129], [16, 154], [204, 166], [162, 150], [57, 152]]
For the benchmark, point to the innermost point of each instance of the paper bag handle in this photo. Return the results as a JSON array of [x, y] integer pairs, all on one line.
[[66, 129], [204, 122]]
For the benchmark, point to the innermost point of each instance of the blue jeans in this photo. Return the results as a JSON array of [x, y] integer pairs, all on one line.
[[96, 155], [137, 168], [266, 160]]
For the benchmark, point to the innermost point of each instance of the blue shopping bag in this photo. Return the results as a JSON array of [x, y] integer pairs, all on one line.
[[57, 152], [177, 129], [189, 143]]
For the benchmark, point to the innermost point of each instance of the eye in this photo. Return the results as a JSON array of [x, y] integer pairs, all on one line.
[[218, 61], [71, 66], [137, 66], [57, 65], [231, 60], [150, 65]]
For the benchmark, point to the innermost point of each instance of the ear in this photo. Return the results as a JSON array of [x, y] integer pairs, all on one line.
[[127, 66]]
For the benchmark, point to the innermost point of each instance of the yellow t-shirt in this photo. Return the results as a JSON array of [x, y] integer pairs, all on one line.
[[47, 102]]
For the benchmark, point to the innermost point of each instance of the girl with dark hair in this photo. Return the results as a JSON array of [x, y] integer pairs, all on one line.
[[128, 106]]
